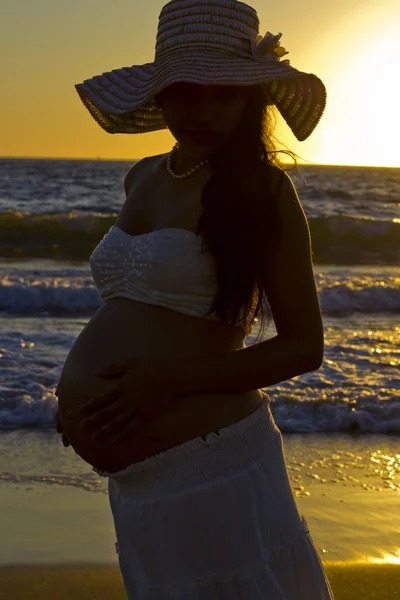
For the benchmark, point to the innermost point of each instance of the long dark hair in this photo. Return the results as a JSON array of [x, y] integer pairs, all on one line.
[[240, 222]]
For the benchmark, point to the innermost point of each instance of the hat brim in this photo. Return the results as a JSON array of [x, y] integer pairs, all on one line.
[[122, 100]]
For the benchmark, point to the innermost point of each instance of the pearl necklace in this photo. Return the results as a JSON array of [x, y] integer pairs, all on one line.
[[188, 173]]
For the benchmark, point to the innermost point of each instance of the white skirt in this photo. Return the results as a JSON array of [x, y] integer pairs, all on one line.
[[216, 519]]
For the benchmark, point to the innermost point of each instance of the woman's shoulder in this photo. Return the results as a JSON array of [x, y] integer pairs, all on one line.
[[143, 167], [148, 161], [278, 172], [277, 178]]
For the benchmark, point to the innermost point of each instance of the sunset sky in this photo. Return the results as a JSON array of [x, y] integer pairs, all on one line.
[[49, 45]]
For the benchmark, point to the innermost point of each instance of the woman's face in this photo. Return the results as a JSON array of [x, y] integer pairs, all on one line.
[[200, 116]]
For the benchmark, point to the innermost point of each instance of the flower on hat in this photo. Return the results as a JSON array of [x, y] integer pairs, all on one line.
[[267, 47]]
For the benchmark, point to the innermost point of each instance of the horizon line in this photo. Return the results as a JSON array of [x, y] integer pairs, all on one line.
[[98, 158]]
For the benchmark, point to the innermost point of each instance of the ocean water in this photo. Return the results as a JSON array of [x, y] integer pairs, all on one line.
[[54, 212]]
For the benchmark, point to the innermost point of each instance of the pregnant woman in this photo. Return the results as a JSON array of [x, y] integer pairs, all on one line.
[[159, 393]]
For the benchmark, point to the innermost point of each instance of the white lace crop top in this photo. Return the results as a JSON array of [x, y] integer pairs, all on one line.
[[165, 267]]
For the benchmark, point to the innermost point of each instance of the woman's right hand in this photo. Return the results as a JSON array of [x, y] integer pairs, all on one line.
[[58, 425], [59, 428]]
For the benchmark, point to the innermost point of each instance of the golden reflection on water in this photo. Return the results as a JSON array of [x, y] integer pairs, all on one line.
[[356, 464]]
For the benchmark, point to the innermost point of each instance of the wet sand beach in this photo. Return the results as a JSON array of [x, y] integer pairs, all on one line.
[[58, 537], [348, 581]]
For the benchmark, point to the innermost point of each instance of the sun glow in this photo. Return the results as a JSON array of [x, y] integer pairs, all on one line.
[[393, 559], [362, 123]]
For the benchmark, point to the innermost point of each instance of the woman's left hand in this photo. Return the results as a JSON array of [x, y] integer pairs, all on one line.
[[145, 389]]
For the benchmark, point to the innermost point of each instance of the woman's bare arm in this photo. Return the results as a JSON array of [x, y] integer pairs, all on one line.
[[292, 295]]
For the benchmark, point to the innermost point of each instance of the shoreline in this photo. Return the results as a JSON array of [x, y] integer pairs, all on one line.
[[55, 510], [58, 535]]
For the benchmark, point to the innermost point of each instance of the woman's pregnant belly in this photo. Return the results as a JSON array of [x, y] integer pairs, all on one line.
[[123, 329]]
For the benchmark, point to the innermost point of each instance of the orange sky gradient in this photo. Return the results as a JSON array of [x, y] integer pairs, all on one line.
[[47, 46]]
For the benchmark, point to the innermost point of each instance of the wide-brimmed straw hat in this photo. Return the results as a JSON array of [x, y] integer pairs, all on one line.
[[209, 42]]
